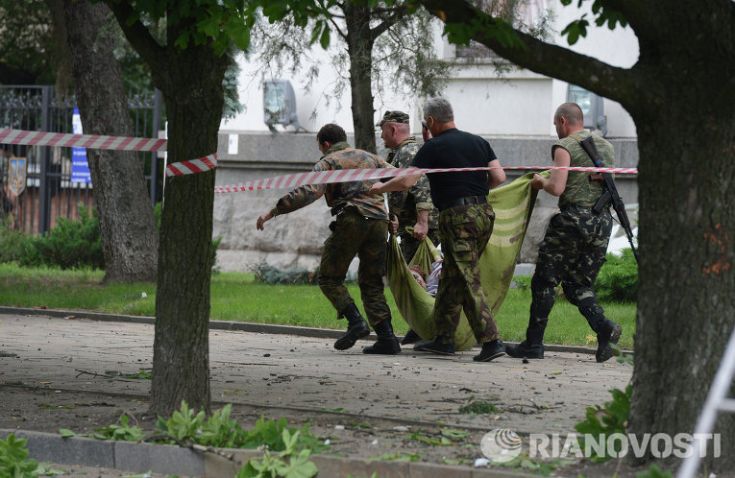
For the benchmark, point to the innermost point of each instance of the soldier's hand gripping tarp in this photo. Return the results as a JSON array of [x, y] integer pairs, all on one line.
[[513, 204]]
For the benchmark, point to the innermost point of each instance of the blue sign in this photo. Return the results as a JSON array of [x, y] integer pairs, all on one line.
[[79, 165]]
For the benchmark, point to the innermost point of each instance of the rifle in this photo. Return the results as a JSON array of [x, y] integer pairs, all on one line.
[[610, 193]]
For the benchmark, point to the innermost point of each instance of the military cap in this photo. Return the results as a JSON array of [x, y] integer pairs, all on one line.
[[393, 117]]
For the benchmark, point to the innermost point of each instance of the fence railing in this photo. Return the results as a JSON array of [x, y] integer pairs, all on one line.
[[37, 186]]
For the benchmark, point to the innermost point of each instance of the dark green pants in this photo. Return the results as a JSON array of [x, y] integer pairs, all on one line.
[[572, 253], [464, 233], [353, 234]]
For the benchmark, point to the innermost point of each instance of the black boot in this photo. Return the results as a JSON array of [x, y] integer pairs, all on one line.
[[357, 328], [411, 337], [441, 345], [610, 336], [608, 332], [387, 343], [533, 346], [490, 351]]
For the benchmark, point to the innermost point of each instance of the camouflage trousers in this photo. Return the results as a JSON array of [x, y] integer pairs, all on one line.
[[410, 244], [572, 253], [464, 233], [354, 234]]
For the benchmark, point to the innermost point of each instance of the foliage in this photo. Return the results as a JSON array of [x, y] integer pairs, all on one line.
[[14, 461], [654, 472], [603, 14], [286, 464], [12, 244], [71, 244], [120, 431], [618, 278], [446, 437], [402, 56], [478, 407], [220, 430], [268, 274], [536, 467], [26, 44], [610, 418]]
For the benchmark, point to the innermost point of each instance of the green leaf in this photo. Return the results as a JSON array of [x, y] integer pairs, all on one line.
[[66, 433], [324, 39]]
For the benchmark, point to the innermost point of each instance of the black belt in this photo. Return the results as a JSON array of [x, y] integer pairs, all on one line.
[[465, 201]]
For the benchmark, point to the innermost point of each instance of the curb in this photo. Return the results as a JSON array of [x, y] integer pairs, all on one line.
[[240, 326], [219, 463]]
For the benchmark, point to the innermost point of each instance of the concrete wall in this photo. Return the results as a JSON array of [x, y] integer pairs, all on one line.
[[295, 240]]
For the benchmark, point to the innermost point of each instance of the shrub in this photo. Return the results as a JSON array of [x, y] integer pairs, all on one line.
[[12, 244], [618, 278], [71, 244], [268, 274]]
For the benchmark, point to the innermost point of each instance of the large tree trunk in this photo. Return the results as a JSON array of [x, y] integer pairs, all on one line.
[[687, 271], [360, 51], [129, 237], [194, 99]]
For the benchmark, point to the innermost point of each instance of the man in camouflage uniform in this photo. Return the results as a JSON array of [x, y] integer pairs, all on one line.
[[412, 208], [360, 228], [574, 247], [465, 225]]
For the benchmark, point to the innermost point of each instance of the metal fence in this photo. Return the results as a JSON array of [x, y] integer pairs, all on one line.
[[47, 193]]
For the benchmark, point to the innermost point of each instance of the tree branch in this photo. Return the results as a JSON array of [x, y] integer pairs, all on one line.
[[138, 35], [391, 20], [612, 82], [330, 17]]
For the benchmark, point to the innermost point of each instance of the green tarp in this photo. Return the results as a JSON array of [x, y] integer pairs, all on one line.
[[513, 204]]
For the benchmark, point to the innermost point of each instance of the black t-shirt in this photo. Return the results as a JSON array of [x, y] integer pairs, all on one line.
[[455, 149]]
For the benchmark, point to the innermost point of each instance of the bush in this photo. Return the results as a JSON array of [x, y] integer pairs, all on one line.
[[618, 278], [12, 244], [268, 274], [71, 244]]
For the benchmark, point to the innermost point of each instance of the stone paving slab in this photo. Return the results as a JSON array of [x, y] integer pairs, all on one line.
[[306, 373]]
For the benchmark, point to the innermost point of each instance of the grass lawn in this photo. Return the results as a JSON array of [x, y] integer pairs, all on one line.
[[236, 297]]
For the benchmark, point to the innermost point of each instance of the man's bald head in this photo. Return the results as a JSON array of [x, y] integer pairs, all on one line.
[[568, 119], [571, 112]]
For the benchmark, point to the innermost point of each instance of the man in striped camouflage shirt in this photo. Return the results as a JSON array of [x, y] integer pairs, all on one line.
[[360, 227]]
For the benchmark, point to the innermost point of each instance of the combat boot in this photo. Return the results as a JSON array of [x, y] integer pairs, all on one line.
[[490, 351], [411, 337], [610, 336], [387, 343], [441, 345], [533, 346], [357, 328]]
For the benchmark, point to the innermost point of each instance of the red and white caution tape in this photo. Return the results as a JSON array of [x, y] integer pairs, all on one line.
[[290, 181], [91, 141], [115, 143], [194, 166]]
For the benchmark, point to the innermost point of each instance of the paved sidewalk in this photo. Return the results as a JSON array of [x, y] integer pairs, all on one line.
[[293, 372]]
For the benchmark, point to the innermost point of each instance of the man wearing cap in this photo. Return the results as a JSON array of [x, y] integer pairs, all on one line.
[[360, 228], [412, 208], [465, 224]]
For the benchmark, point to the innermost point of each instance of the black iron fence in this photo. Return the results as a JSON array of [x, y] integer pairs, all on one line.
[[37, 184]]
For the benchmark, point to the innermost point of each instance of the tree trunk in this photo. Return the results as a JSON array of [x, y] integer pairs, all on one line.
[[129, 237], [360, 50], [687, 248], [194, 100]]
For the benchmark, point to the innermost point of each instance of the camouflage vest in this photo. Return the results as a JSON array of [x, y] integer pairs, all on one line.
[[580, 191], [404, 204]]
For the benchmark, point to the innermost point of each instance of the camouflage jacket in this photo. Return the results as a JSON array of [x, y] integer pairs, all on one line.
[[339, 195], [405, 204]]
